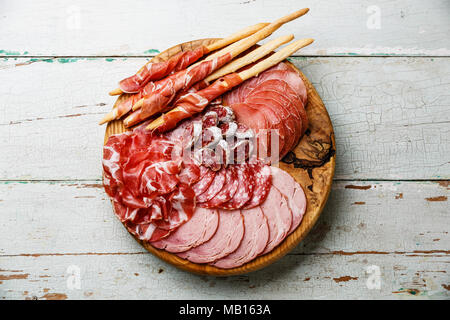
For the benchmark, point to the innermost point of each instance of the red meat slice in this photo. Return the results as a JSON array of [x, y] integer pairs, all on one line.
[[228, 190]]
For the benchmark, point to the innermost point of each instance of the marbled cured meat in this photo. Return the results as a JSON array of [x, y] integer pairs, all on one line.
[[193, 233], [227, 239], [244, 191], [262, 181], [214, 188], [228, 190]]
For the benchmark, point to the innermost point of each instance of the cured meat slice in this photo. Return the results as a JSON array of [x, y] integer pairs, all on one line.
[[279, 218], [255, 240], [244, 191], [262, 184], [255, 119], [199, 229], [183, 206], [214, 188], [228, 190], [275, 123], [157, 70], [147, 232], [293, 192], [205, 181], [190, 173], [227, 239], [166, 89]]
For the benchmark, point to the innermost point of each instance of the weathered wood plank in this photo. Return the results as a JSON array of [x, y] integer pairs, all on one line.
[[391, 115], [294, 277], [76, 218], [347, 27]]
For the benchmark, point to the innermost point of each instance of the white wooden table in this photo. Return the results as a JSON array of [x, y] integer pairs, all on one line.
[[383, 71]]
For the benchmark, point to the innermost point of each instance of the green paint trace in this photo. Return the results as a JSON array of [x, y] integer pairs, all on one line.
[[151, 51]]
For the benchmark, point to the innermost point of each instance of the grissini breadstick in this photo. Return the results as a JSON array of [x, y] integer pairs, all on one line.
[[154, 71], [251, 57], [193, 103], [136, 116], [235, 50]]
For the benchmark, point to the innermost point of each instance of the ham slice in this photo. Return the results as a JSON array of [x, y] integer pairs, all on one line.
[[293, 192], [279, 217], [255, 240], [227, 239], [199, 229]]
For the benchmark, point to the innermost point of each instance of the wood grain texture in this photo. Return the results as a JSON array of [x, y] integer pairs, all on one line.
[[75, 217], [315, 180], [347, 27], [393, 225], [390, 115]]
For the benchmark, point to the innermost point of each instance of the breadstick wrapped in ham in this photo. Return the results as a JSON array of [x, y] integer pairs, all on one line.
[[193, 103], [152, 71]]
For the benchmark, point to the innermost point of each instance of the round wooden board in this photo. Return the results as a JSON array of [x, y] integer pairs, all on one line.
[[312, 165]]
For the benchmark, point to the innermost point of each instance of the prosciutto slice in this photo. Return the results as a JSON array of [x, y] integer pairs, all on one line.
[[158, 70], [166, 89], [193, 103]]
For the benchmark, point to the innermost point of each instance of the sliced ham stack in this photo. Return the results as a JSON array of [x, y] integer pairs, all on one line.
[[275, 100], [241, 235]]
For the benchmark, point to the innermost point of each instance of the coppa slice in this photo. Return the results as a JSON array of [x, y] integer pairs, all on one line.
[[199, 229], [244, 191], [228, 190], [255, 240], [279, 217], [214, 188], [293, 192], [227, 239], [262, 183]]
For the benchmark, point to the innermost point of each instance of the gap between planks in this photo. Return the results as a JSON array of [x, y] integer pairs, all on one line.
[[415, 253]]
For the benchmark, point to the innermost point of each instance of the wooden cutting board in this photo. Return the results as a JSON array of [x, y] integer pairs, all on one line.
[[312, 164]]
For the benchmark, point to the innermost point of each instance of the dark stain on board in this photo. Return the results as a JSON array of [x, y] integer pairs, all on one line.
[[399, 196], [444, 184], [54, 296], [359, 202], [344, 279], [438, 198], [14, 276], [351, 186], [446, 286]]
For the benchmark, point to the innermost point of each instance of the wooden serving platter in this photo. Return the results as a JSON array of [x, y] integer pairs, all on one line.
[[312, 164]]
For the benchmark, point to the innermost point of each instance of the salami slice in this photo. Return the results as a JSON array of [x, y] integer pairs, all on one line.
[[214, 188], [205, 181], [244, 190], [227, 238], [262, 184], [199, 229], [228, 190]]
